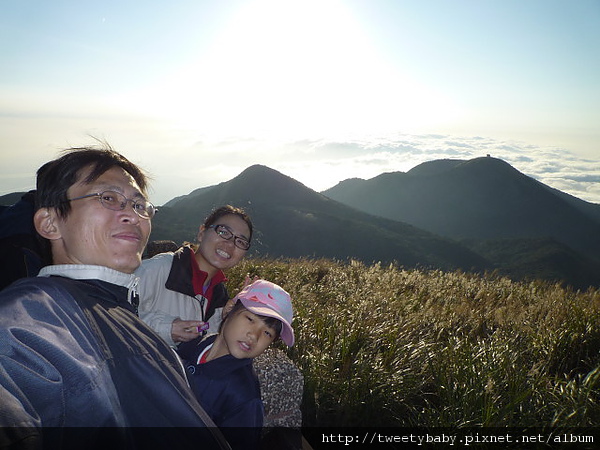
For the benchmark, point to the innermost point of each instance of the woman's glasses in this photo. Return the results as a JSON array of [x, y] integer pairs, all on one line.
[[225, 233]]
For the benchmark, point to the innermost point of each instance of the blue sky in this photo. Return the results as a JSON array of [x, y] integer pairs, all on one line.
[[321, 90]]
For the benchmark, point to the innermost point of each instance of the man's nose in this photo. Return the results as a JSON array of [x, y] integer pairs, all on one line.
[[129, 214]]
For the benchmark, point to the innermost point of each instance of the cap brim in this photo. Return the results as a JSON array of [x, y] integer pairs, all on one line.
[[287, 332]]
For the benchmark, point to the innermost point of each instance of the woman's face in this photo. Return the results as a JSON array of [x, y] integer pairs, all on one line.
[[215, 252]]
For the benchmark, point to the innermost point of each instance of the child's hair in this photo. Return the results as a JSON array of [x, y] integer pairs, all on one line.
[[271, 322]]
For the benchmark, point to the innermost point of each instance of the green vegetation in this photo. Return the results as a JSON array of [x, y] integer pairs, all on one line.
[[385, 346]]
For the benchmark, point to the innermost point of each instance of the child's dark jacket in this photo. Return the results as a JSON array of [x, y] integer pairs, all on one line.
[[229, 391]]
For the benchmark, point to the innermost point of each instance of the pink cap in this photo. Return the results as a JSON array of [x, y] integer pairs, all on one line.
[[270, 300]]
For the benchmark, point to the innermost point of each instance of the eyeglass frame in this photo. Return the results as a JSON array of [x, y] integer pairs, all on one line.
[[123, 204], [233, 236]]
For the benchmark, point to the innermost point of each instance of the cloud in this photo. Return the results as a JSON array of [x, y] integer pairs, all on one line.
[[336, 161], [182, 162]]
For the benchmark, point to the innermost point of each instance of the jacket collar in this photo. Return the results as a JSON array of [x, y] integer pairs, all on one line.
[[89, 272], [180, 275], [220, 367]]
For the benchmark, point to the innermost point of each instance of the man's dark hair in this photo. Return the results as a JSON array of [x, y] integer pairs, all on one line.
[[55, 177]]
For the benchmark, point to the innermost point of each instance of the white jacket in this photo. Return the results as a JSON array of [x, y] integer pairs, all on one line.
[[166, 293]]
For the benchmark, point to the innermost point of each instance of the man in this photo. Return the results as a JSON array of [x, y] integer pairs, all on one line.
[[73, 354]]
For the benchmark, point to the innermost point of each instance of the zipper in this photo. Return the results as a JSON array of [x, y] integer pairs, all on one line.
[[133, 296]]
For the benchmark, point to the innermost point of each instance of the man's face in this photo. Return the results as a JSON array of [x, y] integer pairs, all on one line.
[[93, 234]]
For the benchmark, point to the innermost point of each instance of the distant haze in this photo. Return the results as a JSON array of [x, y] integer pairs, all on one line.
[[321, 90]]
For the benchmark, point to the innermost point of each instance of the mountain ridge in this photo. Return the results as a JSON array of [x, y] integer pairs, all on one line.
[[483, 198], [486, 200], [292, 220]]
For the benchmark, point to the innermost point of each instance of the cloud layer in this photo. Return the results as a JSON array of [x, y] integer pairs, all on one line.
[[321, 164], [178, 165]]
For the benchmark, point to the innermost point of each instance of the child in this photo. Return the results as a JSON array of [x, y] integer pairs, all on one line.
[[220, 365]]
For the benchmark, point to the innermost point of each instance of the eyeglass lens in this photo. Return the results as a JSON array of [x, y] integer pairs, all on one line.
[[226, 234], [117, 202]]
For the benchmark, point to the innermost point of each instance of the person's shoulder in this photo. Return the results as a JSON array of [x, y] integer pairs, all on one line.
[[247, 375], [192, 349], [33, 289], [30, 283], [246, 382], [156, 262], [160, 258]]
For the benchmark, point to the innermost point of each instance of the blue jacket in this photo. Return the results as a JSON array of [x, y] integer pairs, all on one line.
[[73, 353], [228, 389]]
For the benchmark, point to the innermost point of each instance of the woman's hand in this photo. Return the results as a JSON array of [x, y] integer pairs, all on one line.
[[186, 330], [229, 305], [249, 280]]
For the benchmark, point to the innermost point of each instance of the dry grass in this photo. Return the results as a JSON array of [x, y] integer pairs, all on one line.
[[386, 346]]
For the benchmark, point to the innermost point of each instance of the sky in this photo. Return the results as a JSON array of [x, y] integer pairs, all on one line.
[[196, 91]]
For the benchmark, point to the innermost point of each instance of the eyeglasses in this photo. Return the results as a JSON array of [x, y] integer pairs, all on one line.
[[117, 202], [225, 233]]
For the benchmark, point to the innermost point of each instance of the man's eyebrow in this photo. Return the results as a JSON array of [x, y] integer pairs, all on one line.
[[119, 189]]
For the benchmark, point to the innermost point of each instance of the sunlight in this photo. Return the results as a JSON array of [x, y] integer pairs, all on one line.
[[283, 70]]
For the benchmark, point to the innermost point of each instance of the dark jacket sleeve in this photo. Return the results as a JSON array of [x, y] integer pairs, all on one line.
[[242, 420], [242, 427], [190, 350]]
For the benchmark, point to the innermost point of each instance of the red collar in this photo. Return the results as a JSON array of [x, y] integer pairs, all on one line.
[[199, 279]]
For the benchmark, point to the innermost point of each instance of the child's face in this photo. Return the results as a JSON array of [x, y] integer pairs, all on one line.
[[246, 335]]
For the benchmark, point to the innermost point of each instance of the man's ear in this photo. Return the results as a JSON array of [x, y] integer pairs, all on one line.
[[45, 221]]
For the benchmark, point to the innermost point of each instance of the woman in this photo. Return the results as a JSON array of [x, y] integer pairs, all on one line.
[[182, 292]]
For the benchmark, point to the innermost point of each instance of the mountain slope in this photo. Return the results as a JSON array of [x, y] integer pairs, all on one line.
[[502, 220], [292, 220], [482, 198], [543, 259]]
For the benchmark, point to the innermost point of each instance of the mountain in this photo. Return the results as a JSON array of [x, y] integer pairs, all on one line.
[[10, 199], [292, 220], [543, 259], [481, 198], [473, 215]]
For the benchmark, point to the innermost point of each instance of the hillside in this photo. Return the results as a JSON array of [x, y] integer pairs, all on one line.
[[477, 215], [292, 220], [482, 198], [543, 259]]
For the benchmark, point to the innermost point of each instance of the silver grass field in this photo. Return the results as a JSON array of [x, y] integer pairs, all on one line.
[[384, 346]]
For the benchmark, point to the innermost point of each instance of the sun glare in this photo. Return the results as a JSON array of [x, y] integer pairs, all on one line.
[[292, 70]]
